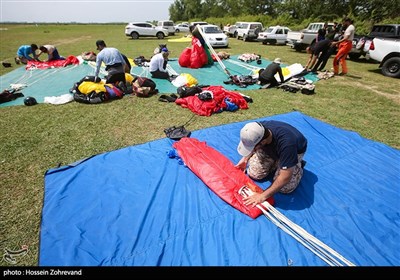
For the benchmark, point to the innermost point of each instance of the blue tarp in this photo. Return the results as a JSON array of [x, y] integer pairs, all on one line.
[[138, 207]]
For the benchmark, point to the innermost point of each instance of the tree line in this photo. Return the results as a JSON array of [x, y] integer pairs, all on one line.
[[295, 11]]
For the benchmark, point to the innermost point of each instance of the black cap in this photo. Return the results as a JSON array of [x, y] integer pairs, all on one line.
[[100, 43]]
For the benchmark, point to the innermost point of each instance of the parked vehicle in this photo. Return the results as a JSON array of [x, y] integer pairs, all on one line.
[[194, 23], [249, 30], [167, 24], [182, 27], [300, 40], [361, 44], [215, 35], [274, 35], [145, 29], [231, 30], [387, 52]]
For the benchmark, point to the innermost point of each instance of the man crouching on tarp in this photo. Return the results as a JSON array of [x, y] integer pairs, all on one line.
[[272, 146], [114, 61], [267, 76]]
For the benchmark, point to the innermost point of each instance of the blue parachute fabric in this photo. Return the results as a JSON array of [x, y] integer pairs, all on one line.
[[139, 206]]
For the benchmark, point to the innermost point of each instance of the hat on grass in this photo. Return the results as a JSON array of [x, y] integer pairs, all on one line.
[[250, 135]]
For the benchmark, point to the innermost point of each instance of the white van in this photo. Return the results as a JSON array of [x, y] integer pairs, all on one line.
[[167, 24]]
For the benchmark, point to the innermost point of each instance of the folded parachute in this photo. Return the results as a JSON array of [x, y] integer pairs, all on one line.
[[218, 173]]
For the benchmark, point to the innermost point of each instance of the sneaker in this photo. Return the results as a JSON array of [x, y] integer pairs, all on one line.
[[342, 74], [17, 60]]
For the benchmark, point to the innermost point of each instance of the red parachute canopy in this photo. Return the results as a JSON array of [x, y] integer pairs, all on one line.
[[218, 173]]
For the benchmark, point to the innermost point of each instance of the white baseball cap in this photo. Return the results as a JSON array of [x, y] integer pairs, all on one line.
[[250, 135], [277, 60]]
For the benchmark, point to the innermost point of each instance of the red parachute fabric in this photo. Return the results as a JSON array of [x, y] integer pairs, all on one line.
[[218, 173], [207, 108], [184, 58], [52, 63], [195, 56]]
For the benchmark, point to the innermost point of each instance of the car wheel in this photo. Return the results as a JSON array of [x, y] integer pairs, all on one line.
[[177, 30], [160, 35], [235, 34], [391, 67], [135, 35], [298, 48], [244, 37]]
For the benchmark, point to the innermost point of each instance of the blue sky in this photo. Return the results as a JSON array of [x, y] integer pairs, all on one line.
[[101, 11]]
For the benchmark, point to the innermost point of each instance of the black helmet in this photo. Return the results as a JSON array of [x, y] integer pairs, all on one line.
[[29, 101]]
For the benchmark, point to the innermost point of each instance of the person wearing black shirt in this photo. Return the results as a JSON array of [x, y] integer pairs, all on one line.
[[272, 147], [267, 76]]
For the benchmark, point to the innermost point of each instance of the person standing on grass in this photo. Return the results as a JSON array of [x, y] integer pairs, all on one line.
[[319, 55], [344, 47], [272, 147], [24, 53]]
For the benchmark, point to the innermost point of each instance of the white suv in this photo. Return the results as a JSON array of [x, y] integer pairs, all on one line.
[[249, 30], [145, 29]]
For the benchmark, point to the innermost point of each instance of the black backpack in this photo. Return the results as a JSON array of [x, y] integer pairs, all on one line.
[[185, 91], [9, 95]]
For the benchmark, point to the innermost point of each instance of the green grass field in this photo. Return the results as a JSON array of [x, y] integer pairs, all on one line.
[[35, 139]]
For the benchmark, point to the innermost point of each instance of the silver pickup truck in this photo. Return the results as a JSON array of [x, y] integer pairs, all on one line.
[[300, 40], [387, 52]]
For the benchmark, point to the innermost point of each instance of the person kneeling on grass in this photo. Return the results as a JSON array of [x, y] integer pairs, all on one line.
[[158, 65]]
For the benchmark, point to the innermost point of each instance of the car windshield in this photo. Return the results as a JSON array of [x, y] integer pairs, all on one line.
[[269, 30], [212, 29]]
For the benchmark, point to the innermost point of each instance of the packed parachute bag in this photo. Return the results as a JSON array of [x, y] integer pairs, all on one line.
[[9, 95], [241, 80], [89, 56], [177, 132], [141, 60], [92, 90], [144, 87]]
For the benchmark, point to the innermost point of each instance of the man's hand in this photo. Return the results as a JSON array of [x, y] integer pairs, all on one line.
[[254, 199], [242, 164]]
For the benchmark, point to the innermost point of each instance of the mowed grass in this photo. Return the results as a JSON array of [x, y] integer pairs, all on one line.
[[35, 139]]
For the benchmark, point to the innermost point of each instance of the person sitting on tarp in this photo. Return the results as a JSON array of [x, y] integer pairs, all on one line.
[[24, 54], [52, 52], [272, 147], [114, 61], [266, 76], [158, 65]]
